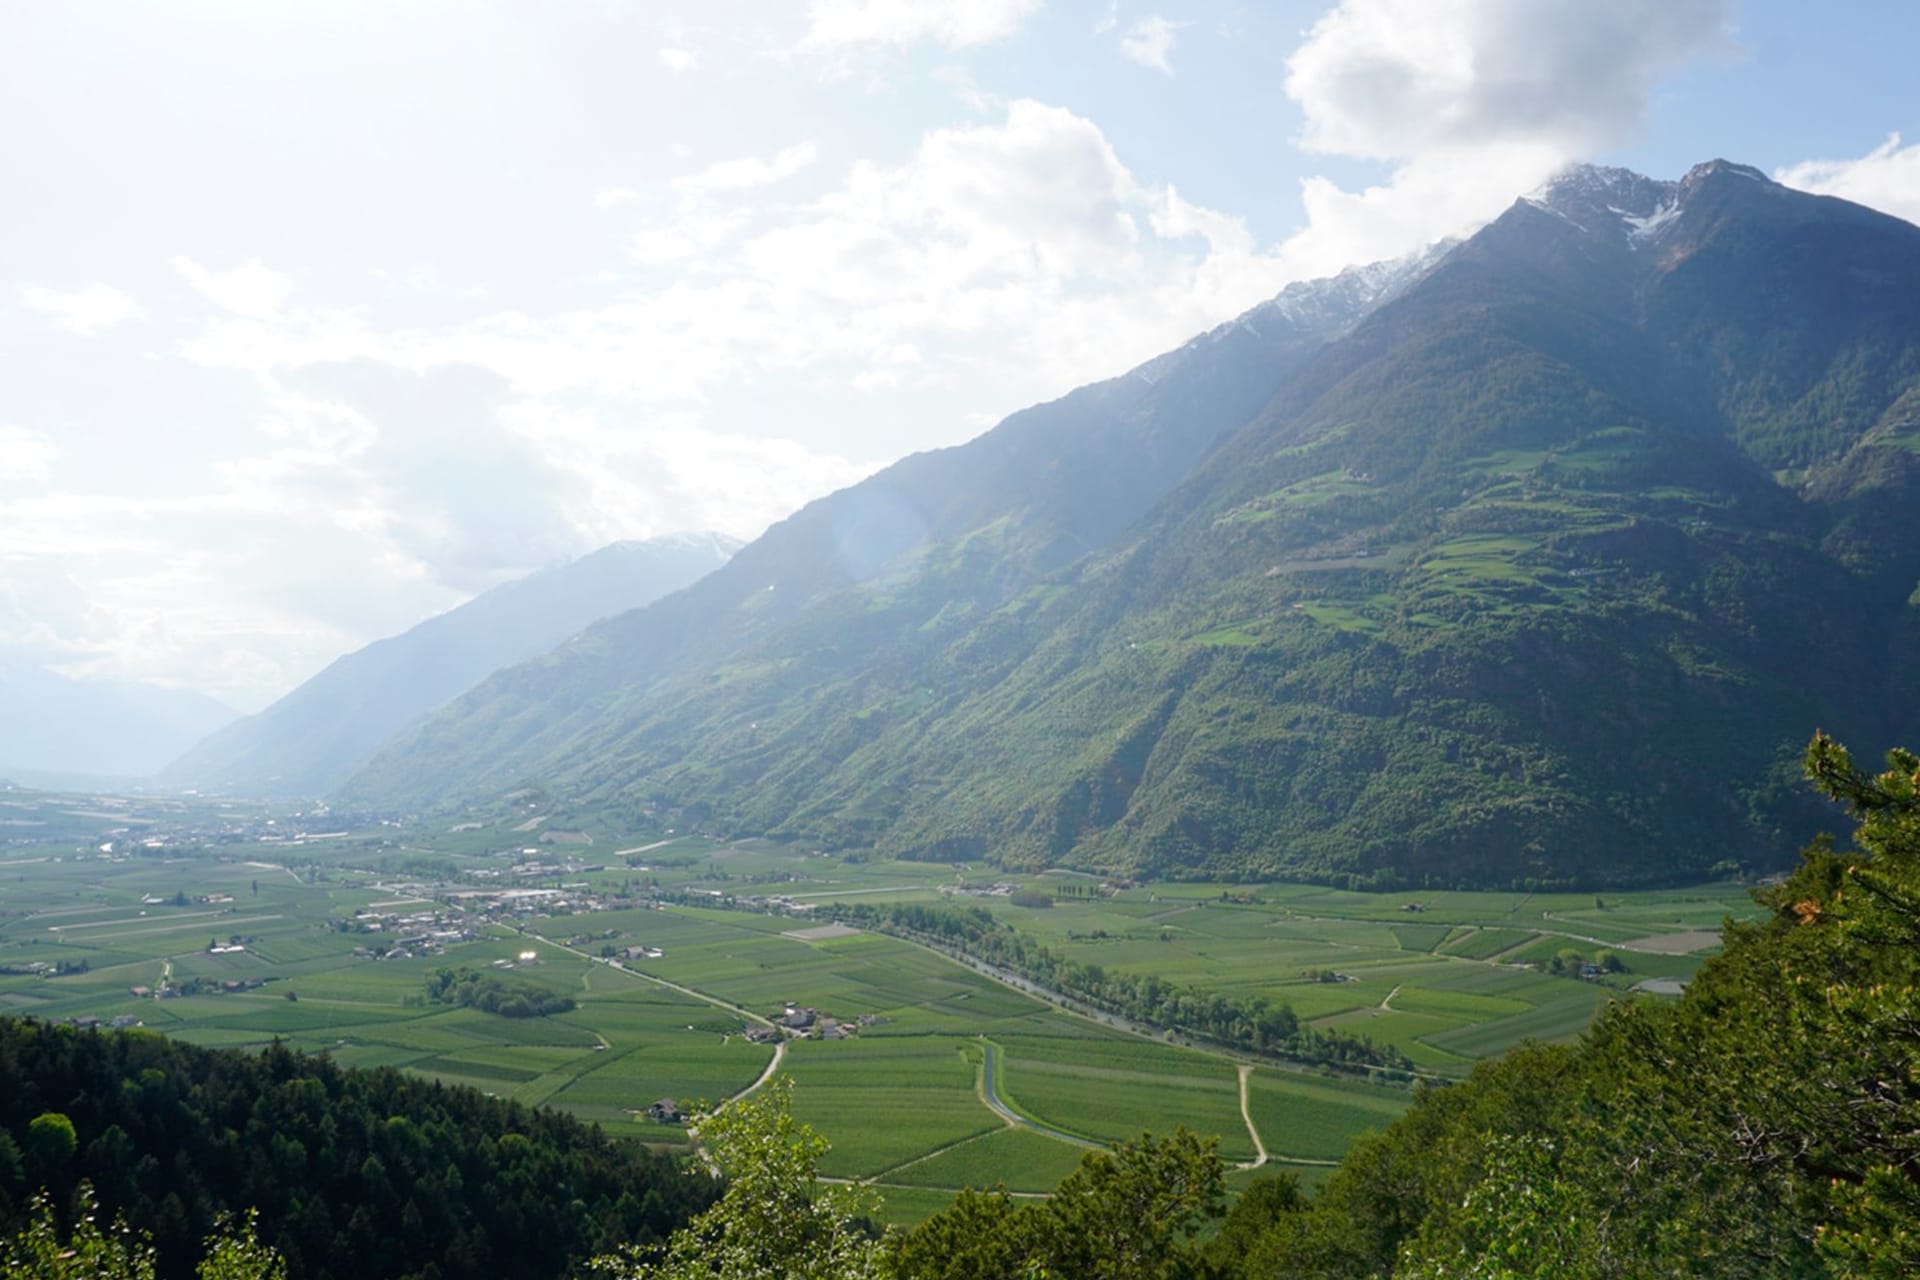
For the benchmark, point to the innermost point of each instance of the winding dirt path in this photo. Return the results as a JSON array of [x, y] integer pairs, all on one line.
[[1259, 1147]]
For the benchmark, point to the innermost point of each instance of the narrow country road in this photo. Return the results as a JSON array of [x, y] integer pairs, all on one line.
[[779, 1048], [779, 1056], [990, 1094], [1259, 1147]]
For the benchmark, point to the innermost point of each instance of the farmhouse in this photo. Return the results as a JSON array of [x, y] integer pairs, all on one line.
[[665, 1111]]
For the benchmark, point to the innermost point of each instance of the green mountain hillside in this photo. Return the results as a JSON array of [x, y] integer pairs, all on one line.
[[1540, 573], [312, 739], [887, 572]]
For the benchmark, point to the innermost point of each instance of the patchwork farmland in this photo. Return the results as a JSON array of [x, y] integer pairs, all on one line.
[[321, 946]]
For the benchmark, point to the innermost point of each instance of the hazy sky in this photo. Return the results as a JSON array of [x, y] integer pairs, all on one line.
[[316, 318]]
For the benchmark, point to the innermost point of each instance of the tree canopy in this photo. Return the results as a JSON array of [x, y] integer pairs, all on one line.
[[775, 1219], [356, 1175]]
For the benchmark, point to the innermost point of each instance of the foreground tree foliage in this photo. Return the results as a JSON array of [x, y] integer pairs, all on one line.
[[356, 1175], [1765, 1125], [41, 1251], [1128, 1213], [775, 1219]]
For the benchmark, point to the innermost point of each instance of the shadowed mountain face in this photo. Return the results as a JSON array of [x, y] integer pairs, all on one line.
[[1536, 564], [311, 740], [56, 730]]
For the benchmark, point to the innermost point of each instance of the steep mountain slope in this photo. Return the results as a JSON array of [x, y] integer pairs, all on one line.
[[1496, 594], [74, 728], [313, 738], [1540, 573], [886, 572]]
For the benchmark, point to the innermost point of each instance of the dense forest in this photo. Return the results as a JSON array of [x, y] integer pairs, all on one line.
[[367, 1175], [1253, 1024]]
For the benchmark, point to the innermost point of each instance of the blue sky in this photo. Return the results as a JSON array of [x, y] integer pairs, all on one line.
[[321, 317]]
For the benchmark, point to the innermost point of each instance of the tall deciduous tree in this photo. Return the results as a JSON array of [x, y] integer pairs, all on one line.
[[776, 1221]]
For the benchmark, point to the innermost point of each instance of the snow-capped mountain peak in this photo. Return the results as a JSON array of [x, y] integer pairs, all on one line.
[[1619, 202], [1610, 201]]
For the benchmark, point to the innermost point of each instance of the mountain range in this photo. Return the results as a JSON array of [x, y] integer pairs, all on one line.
[[314, 738], [1534, 560], [89, 732]]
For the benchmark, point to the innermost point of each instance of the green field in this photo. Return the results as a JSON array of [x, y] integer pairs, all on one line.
[[335, 939], [1019, 1159]]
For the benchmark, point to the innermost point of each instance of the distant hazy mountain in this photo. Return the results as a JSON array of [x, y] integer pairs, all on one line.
[[1539, 565], [53, 727], [313, 738]]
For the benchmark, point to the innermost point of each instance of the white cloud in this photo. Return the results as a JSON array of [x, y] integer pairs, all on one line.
[[686, 241], [201, 587], [1391, 79], [998, 263], [968, 91], [834, 24], [678, 61], [1020, 251], [1149, 42], [25, 456], [372, 497], [675, 471], [1886, 178], [91, 310], [1473, 101], [750, 171], [1426, 199], [250, 289]]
